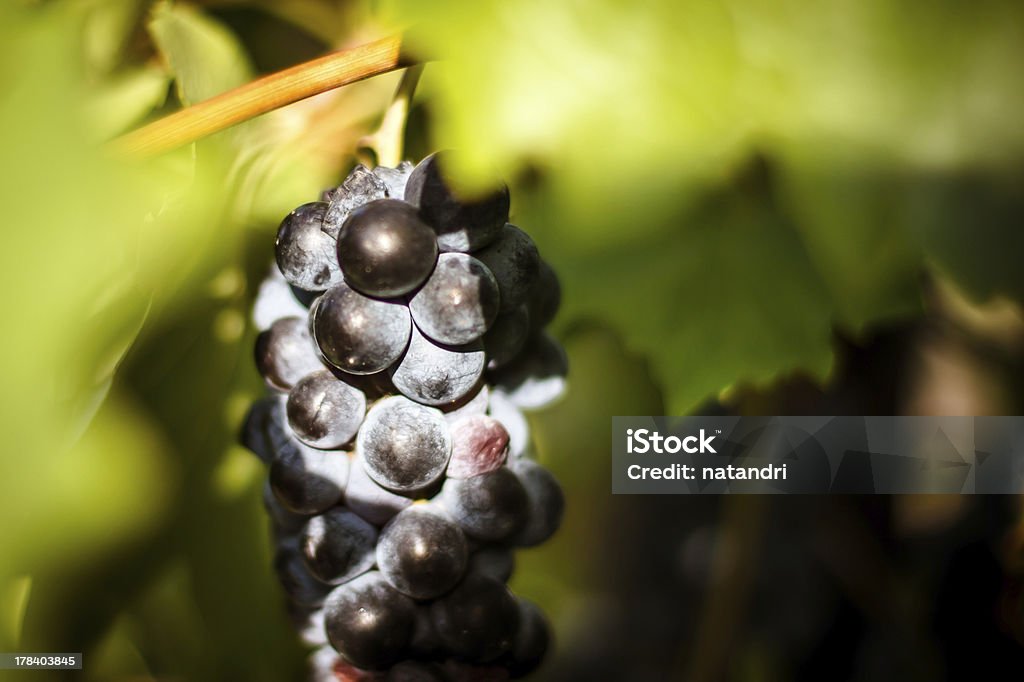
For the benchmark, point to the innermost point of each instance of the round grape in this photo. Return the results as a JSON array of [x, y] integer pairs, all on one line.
[[324, 411], [404, 446], [297, 582], [283, 522], [285, 353], [385, 249], [437, 375], [358, 334], [305, 253], [308, 481], [531, 640], [477, 620], [515, 262], [254, 428], [367, 499], [459, 301], [507, 336], [369, 622], [479, 446], [490, 507], [361, 186], [546, 502], [274, 300], [422, 553], [338, 546], [496, 561], [462, 223], [536, 378], [394, 179], [545, 298]]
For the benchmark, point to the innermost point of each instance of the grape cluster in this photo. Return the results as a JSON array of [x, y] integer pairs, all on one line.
[[401, 336]]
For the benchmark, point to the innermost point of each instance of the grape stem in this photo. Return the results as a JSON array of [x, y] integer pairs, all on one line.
[[388, 141], [264, 94]]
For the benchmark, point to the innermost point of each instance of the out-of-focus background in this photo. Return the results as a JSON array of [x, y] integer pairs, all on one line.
[[755, 207]]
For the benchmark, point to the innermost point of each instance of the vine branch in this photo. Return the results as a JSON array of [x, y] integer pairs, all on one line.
[[264, 94], [388, 142]]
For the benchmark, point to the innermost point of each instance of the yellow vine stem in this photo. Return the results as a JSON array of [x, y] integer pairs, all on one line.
[[262, 95]]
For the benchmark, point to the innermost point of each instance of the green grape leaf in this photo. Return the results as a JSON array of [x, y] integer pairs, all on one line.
[[124, 99], [202, 55], [631, 115]]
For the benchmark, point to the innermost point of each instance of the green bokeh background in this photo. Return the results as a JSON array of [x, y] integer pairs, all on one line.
[[724, 188]]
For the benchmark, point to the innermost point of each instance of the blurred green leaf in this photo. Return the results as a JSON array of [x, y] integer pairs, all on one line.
[[633, 113], [124, 99], [203, 56]]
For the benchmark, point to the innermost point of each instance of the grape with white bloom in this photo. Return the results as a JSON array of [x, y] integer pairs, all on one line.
[[359, 334], [515, 263], [338, 546], [404, 446], [458, 302], [325, 412], [305, 253], [438, 375], [285, 353], [536, 378]]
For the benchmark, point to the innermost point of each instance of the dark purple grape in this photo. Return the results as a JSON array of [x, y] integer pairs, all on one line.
[[437, 375], [478, 620], [394, 179], [297, 582], [459, 301], [546, 502], [385, 250], [366, 498], [274, 300], [491, 507], [515, 263], [254, 428], [422, 553], [462, 223], [531, 641], [285, 353], [282, 521], [545, 298], [536, 377], [404, 446], [425, 643], [338, 546], [479, 446], [507, 336], [361, 186], [305, 253], [358, 334], [308, 481], [324, 411], [496, 561], [369, 622]]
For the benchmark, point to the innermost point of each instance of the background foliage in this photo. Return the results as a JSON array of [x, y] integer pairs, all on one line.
[[725, 188]]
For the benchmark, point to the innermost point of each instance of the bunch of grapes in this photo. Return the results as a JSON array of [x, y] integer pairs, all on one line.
[[401, 338]]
